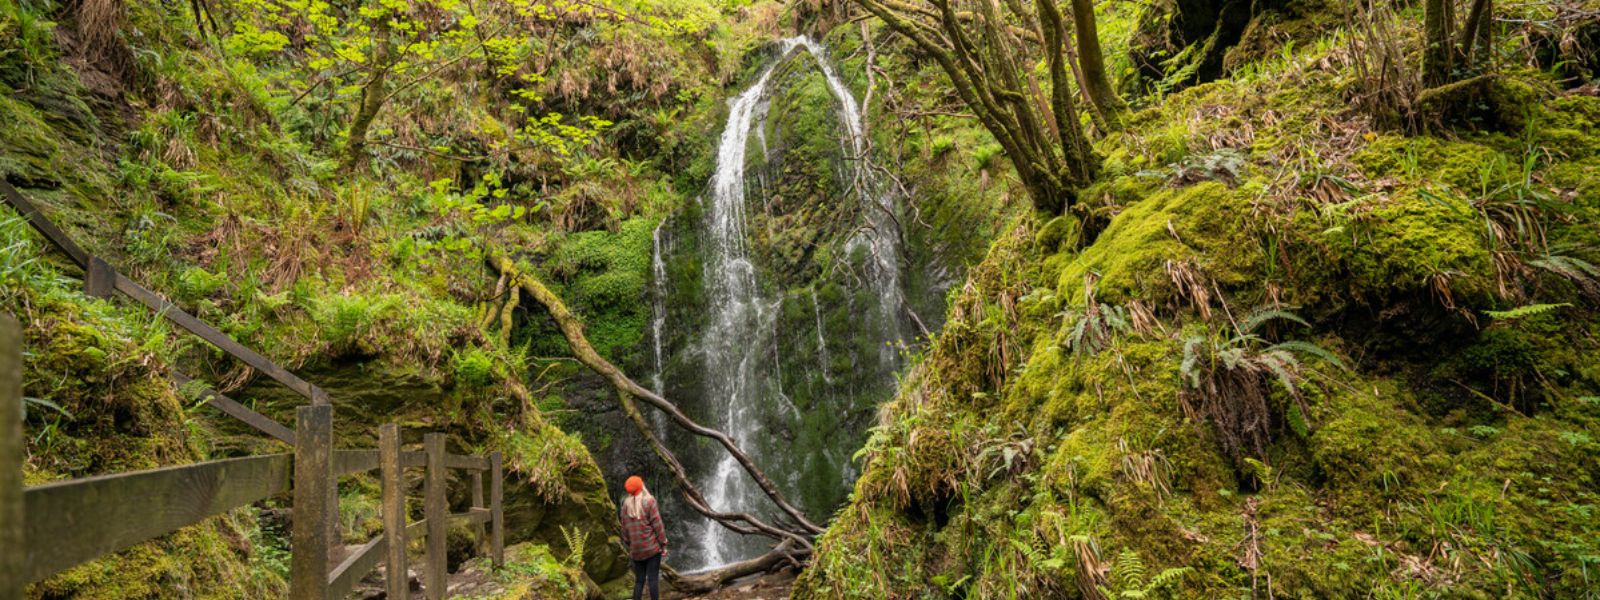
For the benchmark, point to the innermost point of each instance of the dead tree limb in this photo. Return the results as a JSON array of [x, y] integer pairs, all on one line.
[[708, 581], [751, 524], [572, 329]]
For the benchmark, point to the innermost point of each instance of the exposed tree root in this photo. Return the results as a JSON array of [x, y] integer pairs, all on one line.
[[572, 329]]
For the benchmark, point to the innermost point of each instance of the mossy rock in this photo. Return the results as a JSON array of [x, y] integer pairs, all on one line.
[[1204, 223]]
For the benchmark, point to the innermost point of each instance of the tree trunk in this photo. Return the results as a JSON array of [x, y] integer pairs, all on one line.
[[1477, 33], [1091, 60], [1437, 21], [372, 97]]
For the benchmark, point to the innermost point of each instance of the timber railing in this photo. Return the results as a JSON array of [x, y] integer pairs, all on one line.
[[48, 528]]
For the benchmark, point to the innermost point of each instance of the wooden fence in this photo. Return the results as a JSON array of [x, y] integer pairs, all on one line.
[[52, 527]]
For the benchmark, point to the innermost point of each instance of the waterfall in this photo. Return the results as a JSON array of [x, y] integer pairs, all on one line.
[[740, 345], [658, 304], [658, 322]]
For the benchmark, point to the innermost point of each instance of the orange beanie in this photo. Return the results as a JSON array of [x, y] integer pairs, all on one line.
[[634, 485]]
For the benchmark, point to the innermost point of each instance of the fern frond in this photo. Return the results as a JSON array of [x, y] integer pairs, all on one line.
[[1168, 577], [1261, 316], [1523, 311], [1285, 368], [1129, 571], [1310, 349]]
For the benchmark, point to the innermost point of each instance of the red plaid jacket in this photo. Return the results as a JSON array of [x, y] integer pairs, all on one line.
[[645, 536]]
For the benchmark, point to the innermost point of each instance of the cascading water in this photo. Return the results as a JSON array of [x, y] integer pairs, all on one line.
[[741, 347]]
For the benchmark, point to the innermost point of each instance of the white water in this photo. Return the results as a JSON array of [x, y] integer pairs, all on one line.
[[740, 320], [658, 322], [658, 307]]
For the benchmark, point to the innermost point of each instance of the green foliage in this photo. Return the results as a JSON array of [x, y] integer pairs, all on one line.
[[473, 368], [577, 540], [1523, 311], [1130, 578]]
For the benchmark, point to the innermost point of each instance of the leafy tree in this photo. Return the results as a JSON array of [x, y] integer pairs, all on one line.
[[989, 50], [367, 54]]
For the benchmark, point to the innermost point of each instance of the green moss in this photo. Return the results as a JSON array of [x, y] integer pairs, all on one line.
[[532, 571], [1204, 223]]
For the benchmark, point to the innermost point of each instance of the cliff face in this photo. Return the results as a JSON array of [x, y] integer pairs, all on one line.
[[1305, 356]]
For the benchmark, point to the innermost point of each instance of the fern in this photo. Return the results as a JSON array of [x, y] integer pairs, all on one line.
[[1575, 268], [577, 542], [1310, 349], [1523, 311], [1129, 577], [1262, 315]]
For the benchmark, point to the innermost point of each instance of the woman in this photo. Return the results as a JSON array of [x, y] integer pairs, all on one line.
[[644, 536]]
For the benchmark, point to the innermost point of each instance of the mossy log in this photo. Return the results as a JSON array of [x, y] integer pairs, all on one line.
[[572, 329]]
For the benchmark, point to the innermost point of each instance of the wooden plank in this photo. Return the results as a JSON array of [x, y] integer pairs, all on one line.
[[220, 340], [101, 279], [12, 561], [356, 566], [474, 463], [413, 458], [436, 511], [417, 530], [313, 480], [236, 410], [476, 483], [43, 225], [70, 522], [497, 516], [350, 462], [394, 511]]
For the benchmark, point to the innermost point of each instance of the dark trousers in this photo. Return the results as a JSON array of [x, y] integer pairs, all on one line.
[[648, 569]]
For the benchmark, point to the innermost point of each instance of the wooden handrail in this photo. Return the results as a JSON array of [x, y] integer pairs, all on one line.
[[356, 566], [470, 463], [70, 522], [66, 523], [236, 410], [97, 271], [350, 462]]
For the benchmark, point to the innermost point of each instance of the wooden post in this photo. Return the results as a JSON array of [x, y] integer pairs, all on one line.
[[14, 556], [497, 520], [313, 478], [437, 512], [394, 510], [101, 280], [475, 482]]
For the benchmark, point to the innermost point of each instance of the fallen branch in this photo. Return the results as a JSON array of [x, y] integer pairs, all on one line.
[[708, 581], [572, 329], [691, 494]]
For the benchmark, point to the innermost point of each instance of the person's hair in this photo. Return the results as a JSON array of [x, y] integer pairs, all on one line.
[[634, 505]]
